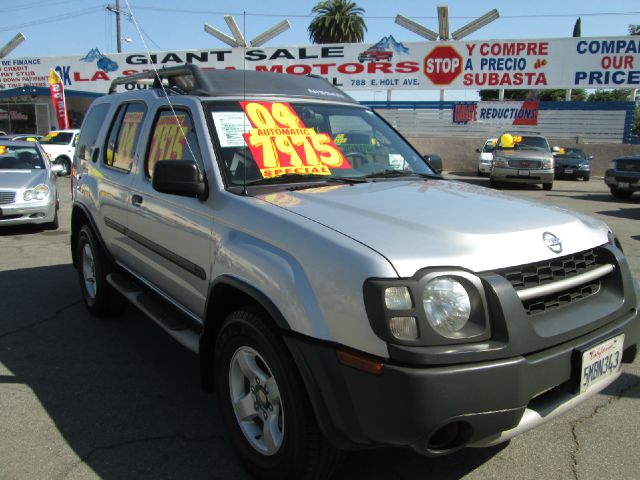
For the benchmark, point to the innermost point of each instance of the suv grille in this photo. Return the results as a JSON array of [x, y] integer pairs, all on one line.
[[7, 197], [628, 165], [525, 163], [555, 270]]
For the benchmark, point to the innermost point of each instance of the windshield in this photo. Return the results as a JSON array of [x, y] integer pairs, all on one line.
[[524, 142], [20, 158], [279, 142], [57, 138], [490, 146], [573, 153]]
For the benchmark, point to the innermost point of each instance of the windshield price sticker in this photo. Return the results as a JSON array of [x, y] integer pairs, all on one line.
[[281, 143], [600, 362]]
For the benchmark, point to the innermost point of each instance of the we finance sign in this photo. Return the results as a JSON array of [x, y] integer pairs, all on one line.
[[389, 64]]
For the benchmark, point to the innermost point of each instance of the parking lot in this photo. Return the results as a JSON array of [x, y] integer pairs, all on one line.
[[82, 398]]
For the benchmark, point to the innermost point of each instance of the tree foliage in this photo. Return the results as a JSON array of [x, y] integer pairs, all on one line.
[[634, 29], [577, 28], [337, 21], [620, 95], [558, 95]]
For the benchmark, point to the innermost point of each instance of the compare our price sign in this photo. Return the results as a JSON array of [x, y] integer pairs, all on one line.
[[281, 143]]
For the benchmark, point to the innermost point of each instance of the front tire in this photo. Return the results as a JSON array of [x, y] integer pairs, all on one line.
[[265, 406], [585, 178], [547, 186], [100, 298], [616, 192]]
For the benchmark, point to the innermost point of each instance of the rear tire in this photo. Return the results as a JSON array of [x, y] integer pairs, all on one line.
[[585, 178], [100, 298], [616, 192], [265, 406], [547, 186]]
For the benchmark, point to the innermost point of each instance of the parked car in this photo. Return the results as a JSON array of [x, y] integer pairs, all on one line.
[[28, 193], [60, 146], [485, 157], [572, 163], [27, 137], [339, 292], [522, 158], [623, 176]]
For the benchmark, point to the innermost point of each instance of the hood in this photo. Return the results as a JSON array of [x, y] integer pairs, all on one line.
[[21, 179], [570, 161], [416, 223]]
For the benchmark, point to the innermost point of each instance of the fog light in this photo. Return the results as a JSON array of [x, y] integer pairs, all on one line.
[[404, 328], [397, 298]]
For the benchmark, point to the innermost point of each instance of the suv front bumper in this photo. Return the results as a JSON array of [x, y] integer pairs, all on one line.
[[437, 410], [515, 175], [622, 180]]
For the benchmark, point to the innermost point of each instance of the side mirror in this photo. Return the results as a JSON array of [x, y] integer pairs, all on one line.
[[589, 157], [477, 150], [434, 161], [179, 177], [56, 168]]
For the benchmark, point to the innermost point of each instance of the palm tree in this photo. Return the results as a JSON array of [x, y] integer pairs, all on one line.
[[337, 21]]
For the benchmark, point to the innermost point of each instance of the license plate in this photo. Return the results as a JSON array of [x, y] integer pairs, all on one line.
[[524, 173], [568, 170], [601, 362], [623, 184]]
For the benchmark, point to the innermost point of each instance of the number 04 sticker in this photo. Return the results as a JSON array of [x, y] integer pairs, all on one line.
[[281, 143]]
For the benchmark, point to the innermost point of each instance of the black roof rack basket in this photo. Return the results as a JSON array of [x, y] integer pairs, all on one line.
[[185, 79]]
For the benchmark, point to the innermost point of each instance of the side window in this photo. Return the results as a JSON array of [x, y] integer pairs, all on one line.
[[124, 135], [90, 130], [172, 138]]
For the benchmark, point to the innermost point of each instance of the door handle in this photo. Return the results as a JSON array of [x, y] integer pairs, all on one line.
[[136, 200]]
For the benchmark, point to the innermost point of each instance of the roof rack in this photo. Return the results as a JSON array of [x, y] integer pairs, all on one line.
[[185, 78], [210, 82]]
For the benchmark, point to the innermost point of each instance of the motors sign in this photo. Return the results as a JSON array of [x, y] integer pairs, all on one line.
[[612, 62]]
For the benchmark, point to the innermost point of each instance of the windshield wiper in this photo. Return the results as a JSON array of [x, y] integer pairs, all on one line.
[[305, 177]]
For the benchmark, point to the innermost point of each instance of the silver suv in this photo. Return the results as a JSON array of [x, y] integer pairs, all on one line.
[[339, 292], [522, 158]]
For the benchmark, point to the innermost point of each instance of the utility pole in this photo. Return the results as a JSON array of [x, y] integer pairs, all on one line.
[[117, 12]]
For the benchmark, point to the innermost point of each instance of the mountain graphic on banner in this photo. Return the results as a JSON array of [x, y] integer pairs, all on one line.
[[390, 43], [94, 54]]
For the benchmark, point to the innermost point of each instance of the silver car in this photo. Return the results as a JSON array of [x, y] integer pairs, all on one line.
[[525, 159], [28, 191]]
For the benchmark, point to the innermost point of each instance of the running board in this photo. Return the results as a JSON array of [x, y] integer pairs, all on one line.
[[172, 320]]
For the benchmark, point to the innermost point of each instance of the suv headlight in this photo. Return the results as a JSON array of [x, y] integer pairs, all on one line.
[[547, 163], [39, 192], [447, 305], [432, 308], [500, 162], [612, 165]]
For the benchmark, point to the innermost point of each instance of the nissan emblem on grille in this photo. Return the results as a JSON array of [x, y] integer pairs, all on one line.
[[552, 242]]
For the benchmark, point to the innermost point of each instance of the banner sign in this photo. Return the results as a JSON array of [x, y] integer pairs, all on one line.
[[611, 62], [497, 113], [57, 98]]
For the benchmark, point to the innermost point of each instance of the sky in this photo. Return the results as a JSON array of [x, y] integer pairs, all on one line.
[[73, 27]]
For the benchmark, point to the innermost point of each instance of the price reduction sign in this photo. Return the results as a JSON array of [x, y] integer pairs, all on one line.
[[281, 143]]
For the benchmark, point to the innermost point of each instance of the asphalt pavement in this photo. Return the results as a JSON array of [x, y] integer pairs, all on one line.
[[82, 398]]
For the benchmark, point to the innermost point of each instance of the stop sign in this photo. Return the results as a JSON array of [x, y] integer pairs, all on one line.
[[442, 65]]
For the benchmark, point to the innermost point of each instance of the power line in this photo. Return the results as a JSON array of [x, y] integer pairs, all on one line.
[[292, 15], [57, 18]]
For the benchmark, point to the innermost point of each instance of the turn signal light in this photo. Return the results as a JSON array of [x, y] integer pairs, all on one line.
[[360, 362]]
